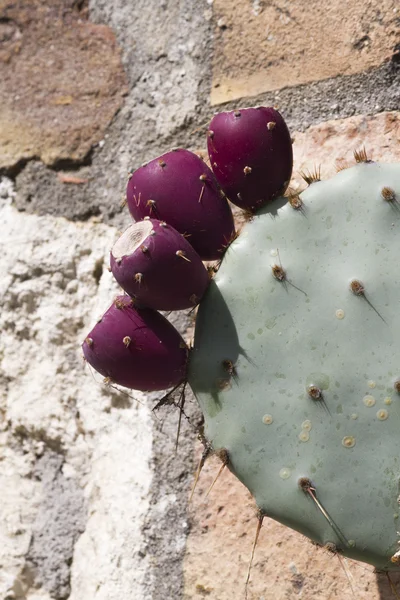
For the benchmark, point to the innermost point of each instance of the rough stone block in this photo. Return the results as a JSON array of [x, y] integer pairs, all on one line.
[[62, 82], [261, 46]]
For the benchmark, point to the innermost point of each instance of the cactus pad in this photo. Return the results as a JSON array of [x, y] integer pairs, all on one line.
[[296, 362]]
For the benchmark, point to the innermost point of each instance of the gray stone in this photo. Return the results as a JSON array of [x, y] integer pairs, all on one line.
[[59, 521]]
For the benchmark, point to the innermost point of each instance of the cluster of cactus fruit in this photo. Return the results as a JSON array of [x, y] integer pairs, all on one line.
[[296, 359]]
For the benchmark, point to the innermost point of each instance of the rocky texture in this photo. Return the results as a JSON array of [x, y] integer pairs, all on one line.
[[285, 44], [164, 47], [167, 522], [62, 82], [42, 191], [331, 145], [60, 520], [75, 454]]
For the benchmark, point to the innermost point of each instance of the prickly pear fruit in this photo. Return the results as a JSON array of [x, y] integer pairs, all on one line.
[[136, 348], [251, 155], [296, 362], [157, 266], [180, 189]]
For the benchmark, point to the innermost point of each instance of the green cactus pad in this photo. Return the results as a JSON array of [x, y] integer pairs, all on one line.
[[296, 361]]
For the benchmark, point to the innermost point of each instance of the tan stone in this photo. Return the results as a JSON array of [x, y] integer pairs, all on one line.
[[333, 143], [61, 81], [286, 565], [261, 46]]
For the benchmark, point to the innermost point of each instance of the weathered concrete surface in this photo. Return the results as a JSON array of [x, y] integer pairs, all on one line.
[[60, 520], [262, 46], [219, 545], [76, 455], [61, 81]]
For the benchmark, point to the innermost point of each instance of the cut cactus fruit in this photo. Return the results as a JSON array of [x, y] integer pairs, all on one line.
[[155, 264], [136, 348], [181, 190], [251, 155], [298, 374]]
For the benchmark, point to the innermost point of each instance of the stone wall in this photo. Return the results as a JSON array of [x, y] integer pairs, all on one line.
[[94, 499]]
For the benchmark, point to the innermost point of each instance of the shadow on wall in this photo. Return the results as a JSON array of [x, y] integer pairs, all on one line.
[[388, 590]]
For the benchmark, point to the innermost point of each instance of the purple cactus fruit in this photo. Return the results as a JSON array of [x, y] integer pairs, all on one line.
[[180, 189], [154, 263], [251, 155], [136, 348]]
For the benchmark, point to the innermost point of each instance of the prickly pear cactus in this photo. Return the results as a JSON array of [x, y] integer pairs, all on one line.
[[296, 362]]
